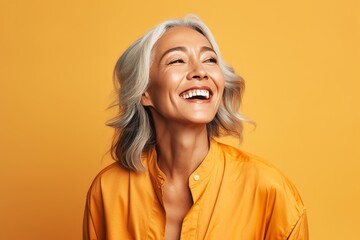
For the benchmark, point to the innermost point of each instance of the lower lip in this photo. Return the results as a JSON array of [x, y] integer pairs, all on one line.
[[197, 100]]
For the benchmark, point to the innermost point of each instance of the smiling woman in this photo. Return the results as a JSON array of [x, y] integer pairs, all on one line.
[[186, 83], [171, 179]]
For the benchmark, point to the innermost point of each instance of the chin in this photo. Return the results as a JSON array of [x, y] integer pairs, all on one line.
[[201, 120], [199, 115]]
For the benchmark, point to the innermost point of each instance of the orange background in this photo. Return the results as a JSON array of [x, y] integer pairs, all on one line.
[[300, 60]]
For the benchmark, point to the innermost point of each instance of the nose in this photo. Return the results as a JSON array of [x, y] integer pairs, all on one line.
[[197, 71]]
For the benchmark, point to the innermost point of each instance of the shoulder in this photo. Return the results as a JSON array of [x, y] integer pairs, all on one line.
[[258, 173], [240, 160], [114, 170], [235, 156], [109, 178], [262, 184]]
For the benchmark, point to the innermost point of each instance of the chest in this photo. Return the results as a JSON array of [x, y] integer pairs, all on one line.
[[177, 203], [221, 209]]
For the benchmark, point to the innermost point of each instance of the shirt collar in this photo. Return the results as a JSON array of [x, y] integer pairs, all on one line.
[[200, 174]]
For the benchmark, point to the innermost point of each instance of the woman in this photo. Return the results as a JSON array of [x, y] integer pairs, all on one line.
[[172, 180]]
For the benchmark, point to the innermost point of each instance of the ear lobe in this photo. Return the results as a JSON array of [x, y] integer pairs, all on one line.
[[146, 100]]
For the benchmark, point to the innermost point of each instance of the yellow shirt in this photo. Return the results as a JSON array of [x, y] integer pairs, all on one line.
[[235, 196]]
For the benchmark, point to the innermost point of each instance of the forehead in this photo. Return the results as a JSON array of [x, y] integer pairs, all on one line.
[[180, 37]]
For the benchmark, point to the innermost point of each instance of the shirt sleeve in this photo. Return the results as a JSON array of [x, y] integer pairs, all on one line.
[[285, 211], [94, 220], [300, 230]]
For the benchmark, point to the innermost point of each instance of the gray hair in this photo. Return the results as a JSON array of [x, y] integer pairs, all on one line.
[[134, 128]]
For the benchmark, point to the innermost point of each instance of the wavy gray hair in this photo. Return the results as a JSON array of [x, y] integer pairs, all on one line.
[[134, 129]]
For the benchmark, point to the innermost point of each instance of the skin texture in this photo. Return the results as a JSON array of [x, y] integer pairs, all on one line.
[[182, 59]]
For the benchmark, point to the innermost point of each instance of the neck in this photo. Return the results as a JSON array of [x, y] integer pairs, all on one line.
[[180, 149]]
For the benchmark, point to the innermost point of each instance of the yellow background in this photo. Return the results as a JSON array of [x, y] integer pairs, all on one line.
[[300, 60]]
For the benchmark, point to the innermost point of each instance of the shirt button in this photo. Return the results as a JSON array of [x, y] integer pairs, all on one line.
[[196, 177]]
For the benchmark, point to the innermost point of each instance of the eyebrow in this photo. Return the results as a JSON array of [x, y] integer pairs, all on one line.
[[183, 49]]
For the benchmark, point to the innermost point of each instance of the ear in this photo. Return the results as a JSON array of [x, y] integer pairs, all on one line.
[[146, 99]]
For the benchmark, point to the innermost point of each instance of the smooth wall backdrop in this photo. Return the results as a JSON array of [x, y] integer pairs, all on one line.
[[300, 60]]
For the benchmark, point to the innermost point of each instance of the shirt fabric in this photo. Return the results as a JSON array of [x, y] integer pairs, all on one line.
[[235, 196]]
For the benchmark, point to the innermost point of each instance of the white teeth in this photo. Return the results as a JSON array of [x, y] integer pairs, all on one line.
[[194, 93]]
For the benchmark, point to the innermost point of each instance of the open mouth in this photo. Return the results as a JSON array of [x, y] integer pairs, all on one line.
[[196, 94]]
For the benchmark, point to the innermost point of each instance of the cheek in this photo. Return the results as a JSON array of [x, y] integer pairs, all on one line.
[[173, 77], [161, 88], [219, 80], [167, 83]]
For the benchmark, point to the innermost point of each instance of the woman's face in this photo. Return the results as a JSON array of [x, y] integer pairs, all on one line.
[[186, 82]]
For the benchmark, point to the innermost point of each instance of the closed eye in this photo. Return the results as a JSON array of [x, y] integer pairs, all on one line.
[[211, 60], [176, 61]]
